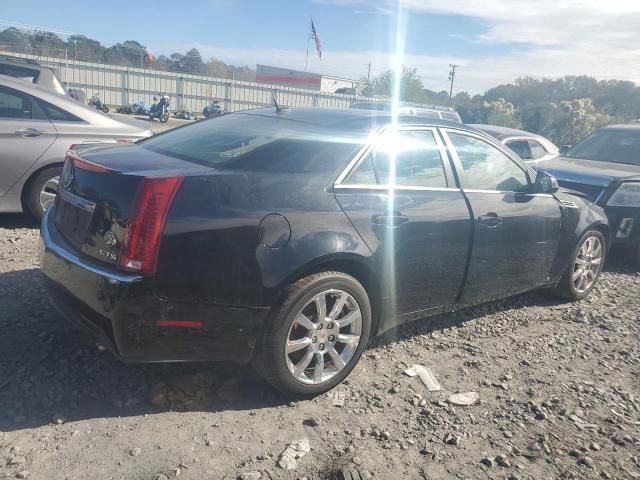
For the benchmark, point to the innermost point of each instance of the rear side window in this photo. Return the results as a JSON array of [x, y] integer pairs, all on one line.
[[452, 117], [521, 148], [486, 167], [405, 159], [537, 150], [56, 114], [14, 105]]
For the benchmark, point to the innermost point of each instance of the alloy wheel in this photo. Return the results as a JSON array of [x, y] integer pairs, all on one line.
[[323, 337], [48, 192], [588, 264]]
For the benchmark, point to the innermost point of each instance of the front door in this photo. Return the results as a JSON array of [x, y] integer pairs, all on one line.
[[515, 232], [24, 135], [402, 199]]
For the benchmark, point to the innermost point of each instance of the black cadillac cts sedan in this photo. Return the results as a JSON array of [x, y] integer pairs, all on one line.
[[289, 238]]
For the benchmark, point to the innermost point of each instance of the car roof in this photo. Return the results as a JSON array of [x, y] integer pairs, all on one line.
[[351, 118]]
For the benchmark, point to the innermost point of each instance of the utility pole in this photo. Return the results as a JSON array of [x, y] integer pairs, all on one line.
[[452, 75], [369, 74]]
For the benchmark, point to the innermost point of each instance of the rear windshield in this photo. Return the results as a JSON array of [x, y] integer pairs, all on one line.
[[615, 146], [256, 143]]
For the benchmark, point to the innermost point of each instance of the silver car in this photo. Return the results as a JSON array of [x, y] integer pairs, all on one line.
[[37, 127], [530, 147]]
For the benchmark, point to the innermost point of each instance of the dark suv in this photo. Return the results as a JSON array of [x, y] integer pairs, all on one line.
[[31, 71]]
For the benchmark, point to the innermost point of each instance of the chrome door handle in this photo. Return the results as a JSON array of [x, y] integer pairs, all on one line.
[[392, 219], [29, 132], [490, 220]]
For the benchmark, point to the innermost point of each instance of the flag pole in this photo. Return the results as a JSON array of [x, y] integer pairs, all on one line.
[[306, 62]]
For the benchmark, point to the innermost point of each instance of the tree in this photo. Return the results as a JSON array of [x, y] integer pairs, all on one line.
[[192, 62], [411, 88], [15, 40], [576, 119]]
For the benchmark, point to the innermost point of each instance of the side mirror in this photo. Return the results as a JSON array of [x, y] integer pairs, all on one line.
[[545, 183], [564, 149]]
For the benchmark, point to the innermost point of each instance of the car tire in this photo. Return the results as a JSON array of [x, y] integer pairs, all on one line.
[[42, 186], [583, 267], [279, 357]]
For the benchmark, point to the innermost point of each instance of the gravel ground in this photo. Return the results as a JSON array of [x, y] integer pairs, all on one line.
[[558, 389]]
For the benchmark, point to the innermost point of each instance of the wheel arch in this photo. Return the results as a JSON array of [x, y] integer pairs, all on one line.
[[354, 265], [26, 186]]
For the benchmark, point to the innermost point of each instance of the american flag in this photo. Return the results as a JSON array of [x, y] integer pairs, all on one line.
[[316, 38]]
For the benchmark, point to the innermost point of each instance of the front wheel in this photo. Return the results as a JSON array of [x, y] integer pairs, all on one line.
[[584, 268], [105, 109], [164, 118], [316, 337]]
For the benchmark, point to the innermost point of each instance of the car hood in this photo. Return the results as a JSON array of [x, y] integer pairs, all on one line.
[[589, 172]]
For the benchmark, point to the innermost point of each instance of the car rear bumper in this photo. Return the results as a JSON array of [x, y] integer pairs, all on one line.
[[123, 313]]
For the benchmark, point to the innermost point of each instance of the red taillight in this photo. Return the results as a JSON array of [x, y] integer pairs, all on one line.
[[146, 224], [81, 163]]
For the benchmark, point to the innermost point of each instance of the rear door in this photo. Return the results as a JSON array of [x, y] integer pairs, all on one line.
[[25, 134], [401, 196], [516, 232]]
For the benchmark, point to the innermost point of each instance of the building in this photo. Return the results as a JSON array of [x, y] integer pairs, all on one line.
[[310, 81]]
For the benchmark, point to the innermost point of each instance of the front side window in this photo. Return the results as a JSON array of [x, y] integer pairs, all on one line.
[[404, 159], [486, 167], [13, 105]]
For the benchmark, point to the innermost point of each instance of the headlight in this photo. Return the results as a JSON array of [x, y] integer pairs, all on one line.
[[627, 195]]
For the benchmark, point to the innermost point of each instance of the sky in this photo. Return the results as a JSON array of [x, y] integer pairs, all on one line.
[[493, 41]]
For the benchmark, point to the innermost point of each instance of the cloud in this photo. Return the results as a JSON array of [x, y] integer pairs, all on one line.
[[548, 38]]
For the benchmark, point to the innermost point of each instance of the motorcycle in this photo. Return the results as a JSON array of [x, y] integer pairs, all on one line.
[[213, 110], [160, 109], [96, 103], [184, 115]]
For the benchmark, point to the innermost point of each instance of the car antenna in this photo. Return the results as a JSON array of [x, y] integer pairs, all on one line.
[[279, 109]]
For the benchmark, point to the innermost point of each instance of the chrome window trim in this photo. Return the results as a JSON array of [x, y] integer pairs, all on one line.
[[487, 139], [454, 153], [366, 149], [346, 186], [504, 192]]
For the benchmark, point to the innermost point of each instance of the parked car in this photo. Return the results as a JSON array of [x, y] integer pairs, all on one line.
[[530, 147], [606, 167], [37, 127], [443, 113], [289, 238], [31, 71]]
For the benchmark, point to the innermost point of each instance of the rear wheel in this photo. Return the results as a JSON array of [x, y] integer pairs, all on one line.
[[42, 191], [585, 267], [316, 337]]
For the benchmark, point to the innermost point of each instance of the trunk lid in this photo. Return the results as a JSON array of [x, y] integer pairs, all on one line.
[[98, 192]]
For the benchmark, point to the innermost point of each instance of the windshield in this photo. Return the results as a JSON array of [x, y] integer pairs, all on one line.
[[615, 146]]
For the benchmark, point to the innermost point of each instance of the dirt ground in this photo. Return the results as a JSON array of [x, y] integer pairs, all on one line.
[[558, 387]]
